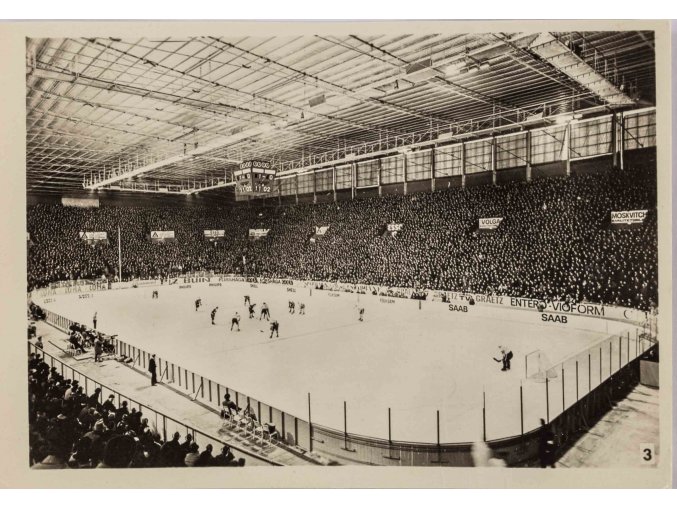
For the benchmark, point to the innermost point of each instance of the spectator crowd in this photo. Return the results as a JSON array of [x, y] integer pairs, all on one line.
[[554, 243], [70, 429]]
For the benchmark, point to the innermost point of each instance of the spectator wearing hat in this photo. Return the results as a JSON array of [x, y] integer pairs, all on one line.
[[109, 405]]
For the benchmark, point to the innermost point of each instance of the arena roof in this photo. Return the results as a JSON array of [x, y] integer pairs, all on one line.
[[178, 115]]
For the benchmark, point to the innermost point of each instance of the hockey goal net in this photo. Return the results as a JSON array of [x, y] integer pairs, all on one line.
[[538, 367]]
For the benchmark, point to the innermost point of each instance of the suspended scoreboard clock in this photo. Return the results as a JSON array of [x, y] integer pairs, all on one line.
[[255, 178]]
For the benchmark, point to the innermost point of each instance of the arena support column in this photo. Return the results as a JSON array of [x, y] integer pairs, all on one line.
[[380, 190], [333, 181], [463, 165], [567, 148], [614, 141], [528, 153], [432, 168], [404, 165], [119, 255], [314, 186], [353, 179], [493, 160], [621, 141]]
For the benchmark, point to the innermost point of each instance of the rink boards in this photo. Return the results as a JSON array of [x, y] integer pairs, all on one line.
[[409, 358]]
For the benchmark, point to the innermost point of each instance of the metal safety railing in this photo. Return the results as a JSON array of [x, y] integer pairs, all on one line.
[[159, 422]]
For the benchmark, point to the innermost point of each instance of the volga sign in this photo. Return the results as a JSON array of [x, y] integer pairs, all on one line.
[[490, 223]]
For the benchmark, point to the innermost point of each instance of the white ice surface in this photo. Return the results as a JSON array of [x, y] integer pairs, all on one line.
[[413, 361]]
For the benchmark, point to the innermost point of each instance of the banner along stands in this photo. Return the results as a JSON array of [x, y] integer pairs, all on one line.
[[630, 218], [159, 236], [489, 224], [92, 238], [255, 234], [80, 202], [319, 232], [392, 229], [214, 234]]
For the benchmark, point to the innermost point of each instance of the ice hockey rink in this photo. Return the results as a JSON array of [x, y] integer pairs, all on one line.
[[414, 358]]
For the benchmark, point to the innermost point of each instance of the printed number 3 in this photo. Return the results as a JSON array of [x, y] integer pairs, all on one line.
[[648, 452]]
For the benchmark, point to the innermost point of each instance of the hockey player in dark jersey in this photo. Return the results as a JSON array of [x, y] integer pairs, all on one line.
[[214, 315], [274, 328], [235, 321], [198, 303], [247, 301], [360, 311], [251, 311], [292, 307], [302, 308]]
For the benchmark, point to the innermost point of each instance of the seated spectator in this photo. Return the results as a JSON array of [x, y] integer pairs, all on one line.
[[225, 458], [118, 452], [206, 459], [192, 456]]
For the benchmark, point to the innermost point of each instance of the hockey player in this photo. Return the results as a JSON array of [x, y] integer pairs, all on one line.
[[154, 295], [264, 312], [214, 315], [251, 311], [302, 308], [247, 301], [506, 357], [274, 328], [360, 311], [198, 303], [235, 321], [292, 307]]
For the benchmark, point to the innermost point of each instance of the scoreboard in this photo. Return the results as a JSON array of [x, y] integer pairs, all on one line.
[[255, 178]]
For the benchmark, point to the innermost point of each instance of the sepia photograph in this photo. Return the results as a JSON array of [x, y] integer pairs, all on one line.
[[395, 246]]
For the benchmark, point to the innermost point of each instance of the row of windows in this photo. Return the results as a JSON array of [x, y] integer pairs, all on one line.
[[587, 138]]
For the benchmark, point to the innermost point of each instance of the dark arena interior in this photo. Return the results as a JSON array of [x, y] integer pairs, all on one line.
[[430, 177]]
